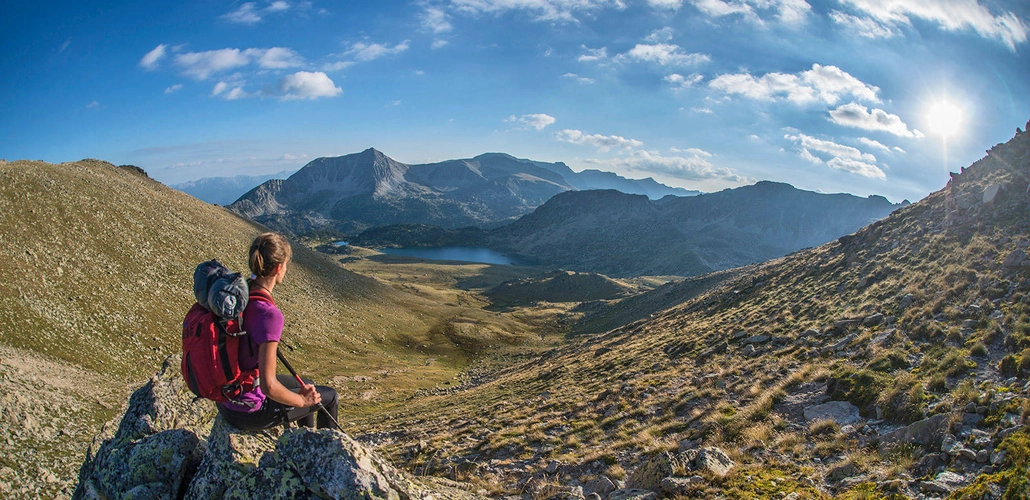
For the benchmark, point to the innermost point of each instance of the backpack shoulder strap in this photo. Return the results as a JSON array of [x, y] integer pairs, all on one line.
[[261, 295]]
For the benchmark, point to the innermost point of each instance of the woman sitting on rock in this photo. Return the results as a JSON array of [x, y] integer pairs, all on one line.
[[276, 399]]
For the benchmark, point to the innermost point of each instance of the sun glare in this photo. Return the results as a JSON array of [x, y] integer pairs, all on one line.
[[944, 119]]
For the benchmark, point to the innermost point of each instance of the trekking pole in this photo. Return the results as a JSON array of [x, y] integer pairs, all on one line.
[[293, 372]]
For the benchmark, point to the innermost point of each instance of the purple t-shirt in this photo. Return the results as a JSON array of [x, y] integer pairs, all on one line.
[[263, 323]]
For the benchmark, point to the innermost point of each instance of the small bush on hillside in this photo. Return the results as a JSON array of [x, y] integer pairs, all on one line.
[[905, 400], [888, 362], [860, 388], [979, 350], [1015, 365], [938, 383]]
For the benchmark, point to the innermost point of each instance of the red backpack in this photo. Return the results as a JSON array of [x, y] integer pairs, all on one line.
[[211, 335]]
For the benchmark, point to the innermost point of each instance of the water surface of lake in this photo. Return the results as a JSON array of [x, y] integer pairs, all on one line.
[[466, 254]]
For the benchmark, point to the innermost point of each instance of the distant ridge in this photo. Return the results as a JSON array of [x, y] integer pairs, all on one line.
[[225, 190], [368, 189], [618, 234]]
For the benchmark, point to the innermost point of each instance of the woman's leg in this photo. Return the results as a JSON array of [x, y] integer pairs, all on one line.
[[329, 402], [270, 415], [305, 416]]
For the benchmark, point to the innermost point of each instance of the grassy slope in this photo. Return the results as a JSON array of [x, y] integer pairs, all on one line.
[[99, 263], [603, 403]]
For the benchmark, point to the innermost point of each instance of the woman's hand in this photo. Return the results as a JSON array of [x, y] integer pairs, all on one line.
[[310, 395]]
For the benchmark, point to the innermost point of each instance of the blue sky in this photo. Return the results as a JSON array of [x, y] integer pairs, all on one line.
[[831, 96]]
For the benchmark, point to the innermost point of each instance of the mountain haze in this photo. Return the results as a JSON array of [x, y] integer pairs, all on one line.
[[367, 189], [225, 190]]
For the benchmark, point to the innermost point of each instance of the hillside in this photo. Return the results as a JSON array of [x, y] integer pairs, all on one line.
[[916, 328], [618, 234], [559, 286], [357, 191], [100, 262]]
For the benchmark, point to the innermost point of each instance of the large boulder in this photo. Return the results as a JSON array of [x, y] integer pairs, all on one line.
[[168, 446]]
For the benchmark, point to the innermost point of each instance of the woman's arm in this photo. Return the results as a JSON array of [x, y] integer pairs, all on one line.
[[271, 387]]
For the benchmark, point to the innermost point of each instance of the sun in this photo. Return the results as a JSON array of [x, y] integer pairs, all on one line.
[[944, 119]]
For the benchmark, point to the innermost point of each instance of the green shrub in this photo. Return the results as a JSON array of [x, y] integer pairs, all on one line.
[[888, 362], [861, 388], [904, 402], [938, 383], [1009, 365], [979, 350]]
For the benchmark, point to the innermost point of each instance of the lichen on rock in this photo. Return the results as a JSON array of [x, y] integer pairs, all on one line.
[[169, 446]]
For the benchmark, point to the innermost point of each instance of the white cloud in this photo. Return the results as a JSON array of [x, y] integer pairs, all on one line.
[[874, 144], [580, 79], [825, 84], [276, 58], [950, 15], [681, 82], [246, 14], [857, 167], [844, 158], [866, 27], [664, 54], [93, 105], [233, 93], [704, 111], [288, 156], [899, 150], [666, 4], [337, 66], [785, 11], [278, 6], [542, 10], [173, 88], [692, 168], [435, 21], [536, 120], [808, 156], [603, 143], [858, 116], [593, 55], [694, 151], [308, 85], [150, 60], [438, 44], [368, 51], [201, 65], [831, 148], [659, 36], [249, 13]]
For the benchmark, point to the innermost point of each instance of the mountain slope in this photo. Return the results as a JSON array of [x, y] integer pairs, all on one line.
[[923, 313], [99, 276], [621, 235]]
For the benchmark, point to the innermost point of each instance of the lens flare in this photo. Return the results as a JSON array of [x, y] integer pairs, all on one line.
[[944, 119]]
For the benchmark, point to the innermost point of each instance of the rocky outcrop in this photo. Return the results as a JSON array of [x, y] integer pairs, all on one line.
[[669, 472], [168, 446]]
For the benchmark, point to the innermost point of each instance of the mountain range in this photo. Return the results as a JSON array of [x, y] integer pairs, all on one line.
[[622, 235], [225, 190], [354, 192]]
